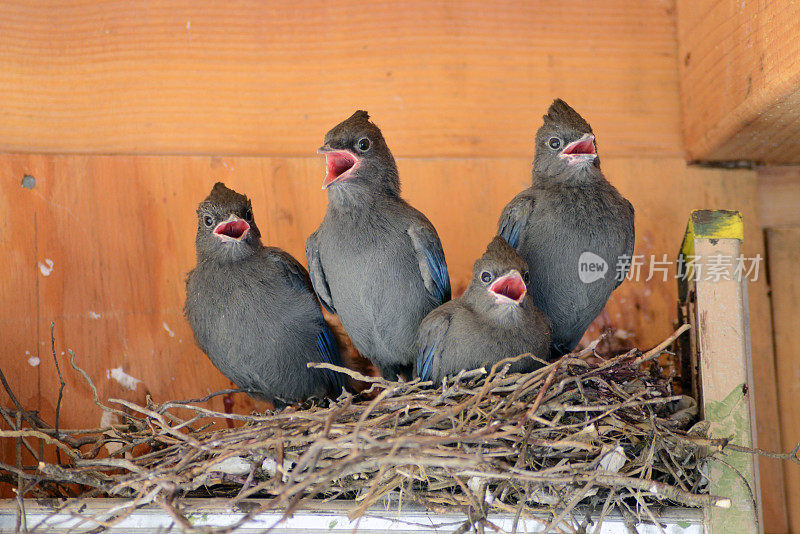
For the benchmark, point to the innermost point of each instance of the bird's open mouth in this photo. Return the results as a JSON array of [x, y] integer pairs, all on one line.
[[509, 287], [582, 149], [234, 229], [338, 164]]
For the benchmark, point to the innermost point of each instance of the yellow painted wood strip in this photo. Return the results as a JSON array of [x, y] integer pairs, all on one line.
[[712, 224]]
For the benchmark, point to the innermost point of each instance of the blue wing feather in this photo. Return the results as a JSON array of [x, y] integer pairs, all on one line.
[[329, 352], [425, 361], [438, 268], [511, 233], [515, 217], [432, 334]]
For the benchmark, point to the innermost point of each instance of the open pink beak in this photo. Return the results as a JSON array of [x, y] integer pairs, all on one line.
[[583, 149], [509, 287], [234, 229], [338, 165]]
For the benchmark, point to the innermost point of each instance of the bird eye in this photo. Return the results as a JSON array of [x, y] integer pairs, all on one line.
[[364, 144], [555, 143], [248, 215], [208, 220], [526, 277], [486, 277]]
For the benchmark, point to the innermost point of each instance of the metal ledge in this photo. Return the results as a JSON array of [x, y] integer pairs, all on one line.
[[326, 518]]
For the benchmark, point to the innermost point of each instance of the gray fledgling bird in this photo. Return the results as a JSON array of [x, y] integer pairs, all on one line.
[[252, 309], [572, 227], [495, 318], [374, 260]]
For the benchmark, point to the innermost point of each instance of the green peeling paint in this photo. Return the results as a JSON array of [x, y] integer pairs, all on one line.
[[197, 519], [729, 419]]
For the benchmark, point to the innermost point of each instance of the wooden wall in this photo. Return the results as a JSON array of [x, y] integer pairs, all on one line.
[[126, 114], [779, 193]]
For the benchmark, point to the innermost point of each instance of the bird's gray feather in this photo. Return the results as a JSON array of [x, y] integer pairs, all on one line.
[[253, 313], [568, 211]]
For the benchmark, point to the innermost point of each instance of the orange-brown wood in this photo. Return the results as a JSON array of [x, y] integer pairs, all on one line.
[[20, 350], [740, 79], [784, 256], [779, 196], [119, 231], [269, 78]]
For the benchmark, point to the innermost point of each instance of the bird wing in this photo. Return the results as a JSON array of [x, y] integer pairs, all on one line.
[[294, 271], [432, 332], [514, 218], [326, 343], [317, 274], [329, 351], [628, 248], [430, 257]]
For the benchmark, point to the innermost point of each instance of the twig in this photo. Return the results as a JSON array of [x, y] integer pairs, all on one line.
[[658, 349], [61, 380], [791, 455], [13, 398], [95, 395], [349, 372]]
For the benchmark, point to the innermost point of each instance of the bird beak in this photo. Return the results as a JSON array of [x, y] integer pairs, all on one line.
[[582, 149], [234, 229], [509, 288], [339, 164]]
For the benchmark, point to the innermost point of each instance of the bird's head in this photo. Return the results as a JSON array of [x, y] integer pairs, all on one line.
[[565, 145], [226, 230], [356, 156], [500, 279]]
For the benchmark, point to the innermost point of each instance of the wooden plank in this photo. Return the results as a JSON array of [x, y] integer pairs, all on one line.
[[779, 196], [740, 79], [246, 77], [19, 276], [716, 294], [783, 246], [120, 232]]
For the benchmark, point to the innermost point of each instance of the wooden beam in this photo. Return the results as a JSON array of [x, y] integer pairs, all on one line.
[[783, 246], [715, 296], [270, 78], [740, 79]]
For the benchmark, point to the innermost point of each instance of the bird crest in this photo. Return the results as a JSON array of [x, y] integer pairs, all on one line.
[[499, 250], [561, 113], [222, 195]]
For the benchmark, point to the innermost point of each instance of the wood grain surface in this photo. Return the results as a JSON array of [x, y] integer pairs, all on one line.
[[269, 78], [740, 79], [784, 257]]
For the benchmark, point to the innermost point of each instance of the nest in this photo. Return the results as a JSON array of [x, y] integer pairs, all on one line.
[[582, 432]]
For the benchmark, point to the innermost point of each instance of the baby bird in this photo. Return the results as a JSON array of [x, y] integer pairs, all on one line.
[[252, 308], [375, 261], [572, 227], [495, 318]]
